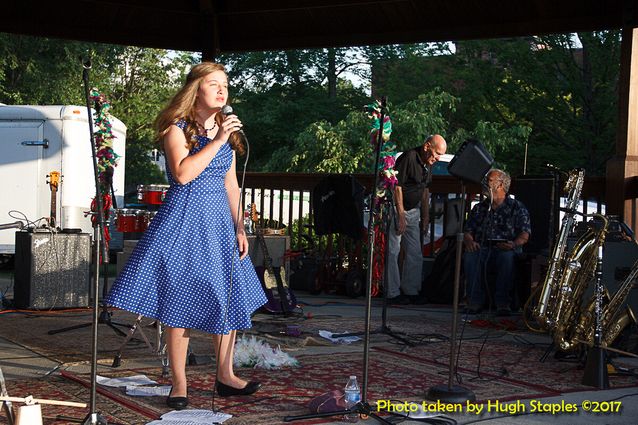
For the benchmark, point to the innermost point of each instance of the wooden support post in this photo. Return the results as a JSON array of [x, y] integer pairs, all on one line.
[[623, 166]]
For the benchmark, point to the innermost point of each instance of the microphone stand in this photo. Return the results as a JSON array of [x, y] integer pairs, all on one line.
[[363, 407], [99, 236], [384, 329]]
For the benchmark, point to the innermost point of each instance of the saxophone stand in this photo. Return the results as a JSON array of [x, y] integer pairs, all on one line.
[[596, 374], [363, 407]]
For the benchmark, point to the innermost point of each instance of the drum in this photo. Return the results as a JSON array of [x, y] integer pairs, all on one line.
[[152, 194], [126, 220], [144, 219]]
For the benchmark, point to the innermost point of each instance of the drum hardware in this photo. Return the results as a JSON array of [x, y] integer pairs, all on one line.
[[158, 348]]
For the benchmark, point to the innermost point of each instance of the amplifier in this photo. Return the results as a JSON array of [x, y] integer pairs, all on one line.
[[52, 270], [277, 246], [618, 257]]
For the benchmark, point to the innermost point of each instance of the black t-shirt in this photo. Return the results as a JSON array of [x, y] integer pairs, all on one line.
[[413, 175]]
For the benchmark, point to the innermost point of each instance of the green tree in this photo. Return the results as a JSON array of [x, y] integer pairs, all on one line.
[[279, 94], [345, 147], [137, 81], [562, 86]]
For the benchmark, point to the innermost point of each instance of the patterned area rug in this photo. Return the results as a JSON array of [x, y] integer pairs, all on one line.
[[516, 363], [287, 391], [58, 388], [31, 331]]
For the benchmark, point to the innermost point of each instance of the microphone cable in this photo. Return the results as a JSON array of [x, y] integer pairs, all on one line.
[[228, 110]]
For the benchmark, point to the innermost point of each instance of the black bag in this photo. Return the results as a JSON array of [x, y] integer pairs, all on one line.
[[438, 286]]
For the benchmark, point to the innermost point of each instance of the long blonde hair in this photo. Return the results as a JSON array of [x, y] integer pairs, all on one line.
[[182, 106]]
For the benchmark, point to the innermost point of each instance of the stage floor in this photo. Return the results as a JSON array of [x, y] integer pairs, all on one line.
[[498, 359]]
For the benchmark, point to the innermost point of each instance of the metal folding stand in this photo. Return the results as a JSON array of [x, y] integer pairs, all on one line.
[[6, 405], [384, 329], [158, 347], [362, 407], [104, 317]]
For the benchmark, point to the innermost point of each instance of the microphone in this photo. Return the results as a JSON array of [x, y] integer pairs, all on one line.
[[228, 110], [15, 224]]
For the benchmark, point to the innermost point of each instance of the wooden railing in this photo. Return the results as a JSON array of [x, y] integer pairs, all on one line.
[[286, 198]]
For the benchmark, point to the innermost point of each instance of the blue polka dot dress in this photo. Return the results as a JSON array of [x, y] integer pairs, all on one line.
[[180, 271]]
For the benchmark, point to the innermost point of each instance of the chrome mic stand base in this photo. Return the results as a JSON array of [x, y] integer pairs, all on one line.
[[94, 419], [454, 394], [596, 374]]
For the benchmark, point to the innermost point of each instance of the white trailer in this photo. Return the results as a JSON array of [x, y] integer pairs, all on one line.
[[35, 140]]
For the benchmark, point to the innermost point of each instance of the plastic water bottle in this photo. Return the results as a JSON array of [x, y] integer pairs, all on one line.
[[353, 396]]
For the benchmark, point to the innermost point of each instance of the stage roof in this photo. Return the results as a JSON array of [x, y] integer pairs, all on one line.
[[248, 25]]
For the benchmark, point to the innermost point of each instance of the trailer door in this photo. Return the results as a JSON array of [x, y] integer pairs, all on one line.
[[21, 177]]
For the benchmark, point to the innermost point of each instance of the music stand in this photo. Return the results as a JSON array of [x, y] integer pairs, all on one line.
[[384, 329], [470, 163]]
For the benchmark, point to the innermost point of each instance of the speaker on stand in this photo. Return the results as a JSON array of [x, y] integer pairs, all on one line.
[[470, 163]]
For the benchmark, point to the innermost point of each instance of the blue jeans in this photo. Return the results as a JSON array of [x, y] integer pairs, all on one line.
[[477, 265]]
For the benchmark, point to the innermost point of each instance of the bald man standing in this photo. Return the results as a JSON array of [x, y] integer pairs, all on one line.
[[411, 199]]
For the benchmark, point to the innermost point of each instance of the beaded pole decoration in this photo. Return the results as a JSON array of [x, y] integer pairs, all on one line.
[[106, 158], [384, 189]]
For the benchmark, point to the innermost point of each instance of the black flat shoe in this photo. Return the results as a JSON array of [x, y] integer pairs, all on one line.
[[224, 390], [177, 403]]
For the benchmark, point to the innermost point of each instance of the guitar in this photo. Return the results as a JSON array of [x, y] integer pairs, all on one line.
[[283, 301], [54, 182]]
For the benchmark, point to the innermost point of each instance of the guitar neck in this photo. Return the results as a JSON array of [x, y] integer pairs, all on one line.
[[54, 207]]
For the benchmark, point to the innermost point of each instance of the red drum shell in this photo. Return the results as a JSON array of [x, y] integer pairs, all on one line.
[[126, 220], [144, 219], [152, 194]]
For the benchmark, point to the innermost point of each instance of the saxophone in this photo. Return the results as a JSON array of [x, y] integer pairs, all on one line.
[[579, 271], [613, 318], [544, 313]]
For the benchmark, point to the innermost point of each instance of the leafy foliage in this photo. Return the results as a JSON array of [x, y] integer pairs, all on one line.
[[137, 81], [555, 93]]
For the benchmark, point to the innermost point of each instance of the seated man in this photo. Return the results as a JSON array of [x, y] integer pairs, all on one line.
[[495, 231]]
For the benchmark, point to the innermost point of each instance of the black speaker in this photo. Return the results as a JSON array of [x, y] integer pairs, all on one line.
[[618, 257], [337, 205], [539, 195], [52, 270], [471, 162]]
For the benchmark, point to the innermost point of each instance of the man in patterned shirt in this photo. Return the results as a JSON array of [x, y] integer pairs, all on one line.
[[495, 231]]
